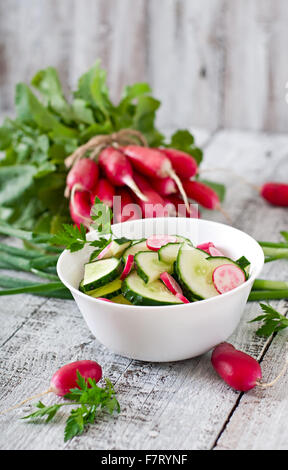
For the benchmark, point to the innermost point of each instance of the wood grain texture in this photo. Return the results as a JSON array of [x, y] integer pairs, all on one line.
[[212, 63], [178, 405]]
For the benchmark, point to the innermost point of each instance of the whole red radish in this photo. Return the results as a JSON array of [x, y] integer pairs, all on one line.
[[105, 191], [125, 207], [80, 207], [84, 173], [179, 208], [275, 193], [154, 163], [164, 186], [239, 370], [155, 205], [201, 193], [183, 163], [65, 378], [118, 169]]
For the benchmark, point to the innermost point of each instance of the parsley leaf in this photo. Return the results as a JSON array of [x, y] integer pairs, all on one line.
[[272, 320], [72, 237], [101, 216]]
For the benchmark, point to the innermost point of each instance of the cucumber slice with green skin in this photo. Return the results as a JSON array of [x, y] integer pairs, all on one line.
[[149, 267], [135, 248], [181, 239], [110, 290], [136, 291], [115, 248], [244, 264], [194, 273], [168, 253], [100, 272], [120, 299]]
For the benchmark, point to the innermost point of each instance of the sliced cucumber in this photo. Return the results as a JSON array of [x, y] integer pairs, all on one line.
[[110, 290], [120, 299], [100, 272], [194, 273], [115, 248], [244, 264], [149, 267], [181, 239], [136, 291], [135, 248], [168, 253]]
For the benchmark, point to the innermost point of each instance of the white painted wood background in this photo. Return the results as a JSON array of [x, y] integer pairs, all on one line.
[[178, 405], [212, 63]]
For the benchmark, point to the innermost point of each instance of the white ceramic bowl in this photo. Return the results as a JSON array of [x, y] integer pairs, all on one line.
[[166, 333]]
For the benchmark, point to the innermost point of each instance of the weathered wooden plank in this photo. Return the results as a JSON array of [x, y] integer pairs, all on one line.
[[185, 53], [33, 35], [255, 70], [114, 33]]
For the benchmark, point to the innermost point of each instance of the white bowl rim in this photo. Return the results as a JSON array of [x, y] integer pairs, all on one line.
[[216, 298]]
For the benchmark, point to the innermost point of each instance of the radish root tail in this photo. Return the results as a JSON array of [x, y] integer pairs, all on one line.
[[34, 397], [177, 180], [274, 381]]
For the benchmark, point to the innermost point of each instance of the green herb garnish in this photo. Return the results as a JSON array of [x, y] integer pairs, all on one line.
[[272, 320], [90, 401]]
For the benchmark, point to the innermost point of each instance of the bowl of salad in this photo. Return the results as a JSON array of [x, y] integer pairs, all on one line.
[[163, 289]]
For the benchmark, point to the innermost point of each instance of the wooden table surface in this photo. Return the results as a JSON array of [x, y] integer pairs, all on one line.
[[180, 405]]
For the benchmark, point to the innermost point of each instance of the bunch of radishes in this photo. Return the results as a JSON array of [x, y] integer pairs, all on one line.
[[150, 182]]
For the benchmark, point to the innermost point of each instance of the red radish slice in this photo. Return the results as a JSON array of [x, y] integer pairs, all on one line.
[[156, 241], [103, 298], [210, 248], [128, 266], [205, 247], [104, 251], [227, 277], [213, 251], [171, 284], [184, 299]]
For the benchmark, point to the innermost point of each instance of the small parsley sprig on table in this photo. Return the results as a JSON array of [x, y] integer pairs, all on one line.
[[272, 321], [90, 401]]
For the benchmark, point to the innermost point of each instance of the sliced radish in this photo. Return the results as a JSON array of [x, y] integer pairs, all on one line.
[[103, 298], [170, 283], [210, 248], [181, 297], [227, 277], [104, 252], [128, 266], [156, 241], [213, 251], [205, 247]]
